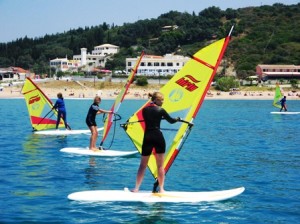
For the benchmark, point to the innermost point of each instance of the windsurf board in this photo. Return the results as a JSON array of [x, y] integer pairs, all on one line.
[[104, 153], [148, 197], [288, 112], [64, 132]]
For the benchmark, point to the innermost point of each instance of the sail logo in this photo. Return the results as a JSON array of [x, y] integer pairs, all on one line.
[[35, 106], [34, 99], [189, 82], [176, 95]]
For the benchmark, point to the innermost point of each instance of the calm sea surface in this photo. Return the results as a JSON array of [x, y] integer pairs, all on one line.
[[233, 144]]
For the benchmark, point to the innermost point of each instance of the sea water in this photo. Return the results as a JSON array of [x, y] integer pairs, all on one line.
[[232, 144]]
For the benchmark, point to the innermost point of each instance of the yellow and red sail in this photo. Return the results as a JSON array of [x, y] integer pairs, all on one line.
[[39, 107], [183, 96], [118, 101]]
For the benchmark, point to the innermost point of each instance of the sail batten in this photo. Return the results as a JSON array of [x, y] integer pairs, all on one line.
[[39, 107], [118, 101], [203, 62], [184, 95]]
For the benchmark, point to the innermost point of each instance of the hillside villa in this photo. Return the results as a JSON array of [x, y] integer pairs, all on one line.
[[97, 58]]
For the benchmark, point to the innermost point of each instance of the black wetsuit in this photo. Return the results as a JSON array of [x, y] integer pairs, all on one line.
[[91, 116], [153, 137]]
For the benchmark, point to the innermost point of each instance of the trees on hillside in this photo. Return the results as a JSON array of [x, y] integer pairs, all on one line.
[[266, 34]]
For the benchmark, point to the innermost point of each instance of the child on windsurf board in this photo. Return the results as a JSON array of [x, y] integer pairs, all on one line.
[[91, 121], [61, 111], [153, 138], [283, 104]]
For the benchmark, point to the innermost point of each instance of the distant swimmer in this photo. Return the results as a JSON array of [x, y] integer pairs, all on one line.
[[283, 104], [91, 121], [153, 138], [61, 109]]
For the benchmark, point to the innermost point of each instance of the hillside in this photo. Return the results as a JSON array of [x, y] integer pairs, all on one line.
[[266, 34]]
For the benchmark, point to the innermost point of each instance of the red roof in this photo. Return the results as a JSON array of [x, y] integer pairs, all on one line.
[[19, 70]]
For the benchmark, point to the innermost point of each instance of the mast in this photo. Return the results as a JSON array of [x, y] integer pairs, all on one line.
[[118, 101]]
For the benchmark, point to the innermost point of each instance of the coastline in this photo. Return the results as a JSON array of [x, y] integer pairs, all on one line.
[[137, 93]]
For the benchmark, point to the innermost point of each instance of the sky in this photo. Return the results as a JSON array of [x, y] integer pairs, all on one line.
[[35, 18]]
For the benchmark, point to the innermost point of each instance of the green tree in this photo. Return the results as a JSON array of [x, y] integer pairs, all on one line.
[[25, 61], [226, 83], [142, 81], [60, 74], [294, 83]]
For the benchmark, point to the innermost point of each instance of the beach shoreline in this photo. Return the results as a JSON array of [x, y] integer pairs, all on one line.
[[70, 91]]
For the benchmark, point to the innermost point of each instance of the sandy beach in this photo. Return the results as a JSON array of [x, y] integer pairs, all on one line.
[[74, 91]]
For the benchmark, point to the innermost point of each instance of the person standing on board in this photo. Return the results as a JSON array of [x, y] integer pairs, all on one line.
[[61, 111], [153, 138], [283, 104], [91, 121]]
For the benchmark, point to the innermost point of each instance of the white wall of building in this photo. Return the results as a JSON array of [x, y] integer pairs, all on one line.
[[157, 65], [83, 56], [63, 64], [99, 55], [98, 58], [105, 49]]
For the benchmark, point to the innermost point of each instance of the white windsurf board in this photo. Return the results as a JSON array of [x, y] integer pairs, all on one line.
[[64, 132], [288, 112], [107, 153], [169, 196]]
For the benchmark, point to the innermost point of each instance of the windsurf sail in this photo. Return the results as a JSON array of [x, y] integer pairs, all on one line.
[[118, 101], [39, 106], [183, 96], [278, 95]]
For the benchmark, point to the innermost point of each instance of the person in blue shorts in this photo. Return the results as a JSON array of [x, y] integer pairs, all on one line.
[[91, 121], [153, 138], [283, 104], [61, 111]]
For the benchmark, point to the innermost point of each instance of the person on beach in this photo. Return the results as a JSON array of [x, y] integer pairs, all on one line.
[[283, 104], [61, 111], [153, 138], [91, 121]]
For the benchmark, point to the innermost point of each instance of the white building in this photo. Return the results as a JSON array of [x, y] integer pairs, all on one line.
[[98, 57], [7, 75], [13, 73], [105, 50], [86, 60], [64, 64], [169, 28], [157, 65]]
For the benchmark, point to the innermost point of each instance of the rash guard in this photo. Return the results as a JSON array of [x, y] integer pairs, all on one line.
[[60, 104]]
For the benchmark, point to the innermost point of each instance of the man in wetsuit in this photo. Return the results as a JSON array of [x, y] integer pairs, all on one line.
[[283, 104], [153, 138], [61, 111], [91, 121]]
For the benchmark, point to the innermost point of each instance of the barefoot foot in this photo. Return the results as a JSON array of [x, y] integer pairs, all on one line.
[[134, 190]]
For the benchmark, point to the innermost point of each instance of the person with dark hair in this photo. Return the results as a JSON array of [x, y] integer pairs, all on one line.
[[91, 121], [61, 111], [283, 104], [153, 138]]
